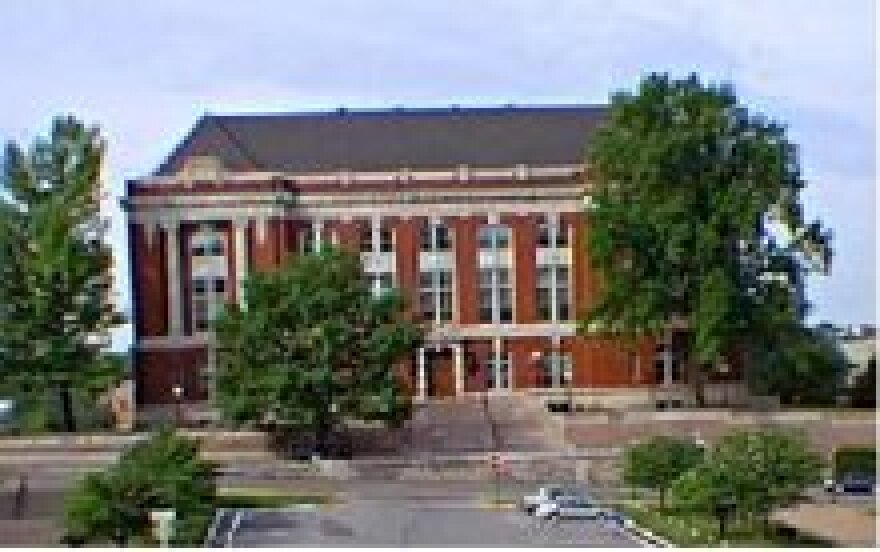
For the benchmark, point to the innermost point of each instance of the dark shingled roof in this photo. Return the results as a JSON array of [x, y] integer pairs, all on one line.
[[382, 140]]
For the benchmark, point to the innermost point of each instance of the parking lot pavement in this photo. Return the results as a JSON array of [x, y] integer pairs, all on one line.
[[419, 523]]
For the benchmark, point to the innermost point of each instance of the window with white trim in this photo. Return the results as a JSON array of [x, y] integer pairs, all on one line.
[[435, 295], [377, 256], [497, 369], [551, 233], [207, 274], [208, 240], [313, 237], [376, 242], [380, 282], [208, 299], [553, 285], [553, 293], [556, 370], [496, 285], [435, 236]]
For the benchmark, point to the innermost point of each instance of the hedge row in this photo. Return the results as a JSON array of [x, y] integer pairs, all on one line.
[[855, 460]]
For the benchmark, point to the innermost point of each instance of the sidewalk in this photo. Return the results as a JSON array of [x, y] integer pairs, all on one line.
[[845, 525]]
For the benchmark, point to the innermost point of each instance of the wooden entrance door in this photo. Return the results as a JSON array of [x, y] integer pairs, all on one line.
[[441, 373]]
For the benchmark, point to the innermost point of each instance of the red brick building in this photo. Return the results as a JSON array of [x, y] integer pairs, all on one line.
[[476, 214]]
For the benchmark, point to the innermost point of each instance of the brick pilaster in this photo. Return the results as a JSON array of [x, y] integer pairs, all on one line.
[[150, 285], [467, 286]]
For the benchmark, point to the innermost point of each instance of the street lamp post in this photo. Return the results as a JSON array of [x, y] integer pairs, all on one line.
[[163, 526], [177, 391], [724, 508], [568, 371]]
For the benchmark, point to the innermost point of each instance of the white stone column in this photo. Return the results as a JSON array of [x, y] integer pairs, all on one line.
[[496, 361], [241, 257], [458, 349], [261, 229], [375, 233], [422, 376], [175, 307], [318, 233]]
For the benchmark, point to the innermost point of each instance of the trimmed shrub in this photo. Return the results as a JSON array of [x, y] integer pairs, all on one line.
[[855, 460]]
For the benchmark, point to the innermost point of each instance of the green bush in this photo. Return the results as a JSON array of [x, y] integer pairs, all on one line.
[[855, 460], [163, 472], [656, 463], [759, 470]]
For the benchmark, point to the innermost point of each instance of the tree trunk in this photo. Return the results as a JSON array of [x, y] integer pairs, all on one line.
[[694, 377], [69, 423], [322, 434]]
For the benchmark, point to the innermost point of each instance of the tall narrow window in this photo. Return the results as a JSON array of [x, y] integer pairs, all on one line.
[[552, 233], [435, 289], [553, 293], [208, 298], [377, 247], [497, 371], [372, 241], [313, 237], [435, 237], [556, 370], [208, 273], [435, 295], [496, 286], [365, 237], [309, 241]]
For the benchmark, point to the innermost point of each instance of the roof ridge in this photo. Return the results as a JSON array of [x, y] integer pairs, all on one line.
[[423, 110]]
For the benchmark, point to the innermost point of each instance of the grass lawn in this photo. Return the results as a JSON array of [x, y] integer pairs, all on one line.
[[693, 529]]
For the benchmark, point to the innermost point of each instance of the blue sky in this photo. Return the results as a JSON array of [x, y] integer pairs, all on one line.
[[145, 71]]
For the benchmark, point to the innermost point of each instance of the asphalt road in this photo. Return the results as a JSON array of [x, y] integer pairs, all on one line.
[[419, 523]]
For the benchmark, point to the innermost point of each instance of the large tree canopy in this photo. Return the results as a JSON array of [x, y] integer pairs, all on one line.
[[695, 218], [313, 346], [55, 278]]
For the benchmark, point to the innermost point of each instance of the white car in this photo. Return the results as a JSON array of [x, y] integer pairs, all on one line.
[[569, 508], [545, 494]]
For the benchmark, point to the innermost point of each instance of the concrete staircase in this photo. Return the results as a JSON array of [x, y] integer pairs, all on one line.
[[514, 423], [448, 426], [522, 424]]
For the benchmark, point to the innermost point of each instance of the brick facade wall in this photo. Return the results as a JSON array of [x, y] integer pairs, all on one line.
[[597, 362]]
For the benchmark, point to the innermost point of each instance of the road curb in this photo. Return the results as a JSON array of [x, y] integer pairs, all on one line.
[[504, 506], [644, 537]]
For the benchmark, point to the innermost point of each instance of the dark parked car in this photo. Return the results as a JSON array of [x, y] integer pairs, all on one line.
[[856, 483]]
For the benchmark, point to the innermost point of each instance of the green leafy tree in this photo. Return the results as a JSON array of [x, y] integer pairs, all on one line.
[[55, 269], [805, 368], [658, 462], [161, 473], [314, 346], [758, 470], [695, 222]]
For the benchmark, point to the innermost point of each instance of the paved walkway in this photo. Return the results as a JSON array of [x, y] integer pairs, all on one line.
[[846, 525]]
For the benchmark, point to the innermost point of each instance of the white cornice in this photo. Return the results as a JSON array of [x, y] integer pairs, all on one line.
[[235, 210], [437, 334], [185, 199], [455, 174]]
